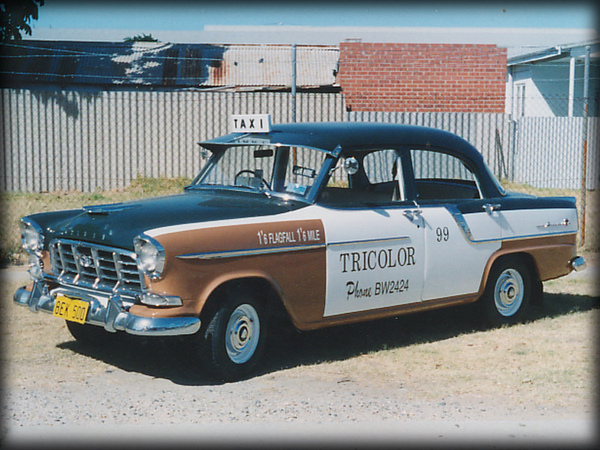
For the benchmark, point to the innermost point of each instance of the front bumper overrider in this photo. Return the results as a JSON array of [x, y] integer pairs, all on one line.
[[108, 311]]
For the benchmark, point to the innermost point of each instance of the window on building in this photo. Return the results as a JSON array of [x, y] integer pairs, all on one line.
[[519, 100]]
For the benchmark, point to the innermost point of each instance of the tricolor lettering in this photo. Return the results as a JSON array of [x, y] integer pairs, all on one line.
[[373, 259]]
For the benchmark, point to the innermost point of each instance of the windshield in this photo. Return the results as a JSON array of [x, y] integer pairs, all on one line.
[[266, 168]]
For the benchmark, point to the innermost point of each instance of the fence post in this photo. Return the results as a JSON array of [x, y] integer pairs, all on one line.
[[294, 83], [586, 82]]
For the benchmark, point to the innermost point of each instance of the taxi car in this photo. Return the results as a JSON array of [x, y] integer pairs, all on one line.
[[319, 223]]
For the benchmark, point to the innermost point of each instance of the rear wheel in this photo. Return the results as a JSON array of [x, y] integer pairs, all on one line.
[[508, 292], [235, 336]]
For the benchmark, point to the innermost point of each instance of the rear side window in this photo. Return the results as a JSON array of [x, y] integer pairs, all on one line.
[[441, 176]]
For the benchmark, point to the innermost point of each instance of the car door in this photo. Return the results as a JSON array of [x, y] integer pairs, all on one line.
[[461, 228], [375, 241]]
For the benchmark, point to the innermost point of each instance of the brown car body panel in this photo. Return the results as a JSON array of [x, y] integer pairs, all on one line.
[[289, 255]]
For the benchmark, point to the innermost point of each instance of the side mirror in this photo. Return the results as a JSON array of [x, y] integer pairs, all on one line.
[[351, 165], [205, 153]]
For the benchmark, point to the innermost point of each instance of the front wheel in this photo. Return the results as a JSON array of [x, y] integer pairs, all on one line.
[[508, 292], [235, 337]]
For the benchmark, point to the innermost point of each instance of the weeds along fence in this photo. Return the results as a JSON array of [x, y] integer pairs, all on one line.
[[81, 140]]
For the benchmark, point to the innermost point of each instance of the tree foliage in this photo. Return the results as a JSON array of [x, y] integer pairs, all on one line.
[[141, 38], [15, 16]]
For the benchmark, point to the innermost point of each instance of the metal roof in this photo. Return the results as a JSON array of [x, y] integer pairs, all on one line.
[[557, 52], [271, 65], [165, 64]]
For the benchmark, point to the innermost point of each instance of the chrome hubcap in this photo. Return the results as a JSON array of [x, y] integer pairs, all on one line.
[[508, 293], [242, 334]]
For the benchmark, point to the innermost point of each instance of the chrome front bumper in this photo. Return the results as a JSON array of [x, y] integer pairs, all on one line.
[[108, 311]]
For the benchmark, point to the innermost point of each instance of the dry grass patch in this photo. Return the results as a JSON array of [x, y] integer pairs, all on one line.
[[16, 205], [547, 364], [550, 360], [592, 209]]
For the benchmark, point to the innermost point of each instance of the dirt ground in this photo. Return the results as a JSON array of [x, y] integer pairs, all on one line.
[[421, 379]]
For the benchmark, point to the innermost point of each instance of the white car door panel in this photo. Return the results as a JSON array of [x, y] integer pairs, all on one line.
[[375, 259], [457, 248]]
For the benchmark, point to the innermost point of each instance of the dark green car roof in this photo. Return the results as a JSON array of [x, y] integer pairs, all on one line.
[[335, 137], [328, 136]]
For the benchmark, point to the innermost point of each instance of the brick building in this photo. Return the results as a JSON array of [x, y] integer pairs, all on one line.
[[423, 77]]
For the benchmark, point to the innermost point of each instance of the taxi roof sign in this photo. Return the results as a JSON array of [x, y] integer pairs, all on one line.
[[251, 123]]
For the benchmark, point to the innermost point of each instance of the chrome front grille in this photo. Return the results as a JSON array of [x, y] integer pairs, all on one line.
[[95, 266]]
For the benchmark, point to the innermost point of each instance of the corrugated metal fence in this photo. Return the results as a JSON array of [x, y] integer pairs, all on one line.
[[64, 140], [548, 152]]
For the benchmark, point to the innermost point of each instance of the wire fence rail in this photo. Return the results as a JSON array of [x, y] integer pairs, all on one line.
[[61, 140]]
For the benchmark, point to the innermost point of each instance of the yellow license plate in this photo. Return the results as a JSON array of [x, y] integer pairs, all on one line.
[[70, 309]]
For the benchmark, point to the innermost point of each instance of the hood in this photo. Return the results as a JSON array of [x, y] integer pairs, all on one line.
[[115, 225]]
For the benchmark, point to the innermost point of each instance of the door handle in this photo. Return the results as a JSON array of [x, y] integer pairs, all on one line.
[[491, 207], [412, 214]]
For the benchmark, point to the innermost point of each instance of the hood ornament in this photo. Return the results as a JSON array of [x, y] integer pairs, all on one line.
[[107, 209]]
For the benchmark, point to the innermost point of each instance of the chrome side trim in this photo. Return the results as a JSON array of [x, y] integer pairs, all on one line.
[[529, 236], [274, 250], [464, 227], [249, 252], [367, 241], [461, 222]]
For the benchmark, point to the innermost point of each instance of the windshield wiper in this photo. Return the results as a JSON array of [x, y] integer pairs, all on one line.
[[228, 187], [253, 189]]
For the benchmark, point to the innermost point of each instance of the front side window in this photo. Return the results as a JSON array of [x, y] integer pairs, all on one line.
[[366, 178]]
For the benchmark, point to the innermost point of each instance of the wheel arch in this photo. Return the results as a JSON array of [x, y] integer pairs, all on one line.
[[262, 288], [529, 261]]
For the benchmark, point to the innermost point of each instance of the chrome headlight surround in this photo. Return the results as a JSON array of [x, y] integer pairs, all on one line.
[[32, 236], [36, 267], [151, 299], [150, 256]]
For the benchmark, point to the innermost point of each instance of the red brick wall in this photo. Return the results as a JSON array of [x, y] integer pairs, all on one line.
[[422, 77]]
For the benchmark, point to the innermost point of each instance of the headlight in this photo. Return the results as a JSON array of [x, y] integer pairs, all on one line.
[[32, 237], [36, 267], [150, 256]]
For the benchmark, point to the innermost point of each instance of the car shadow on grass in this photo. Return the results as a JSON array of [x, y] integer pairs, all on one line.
[[172, 358]]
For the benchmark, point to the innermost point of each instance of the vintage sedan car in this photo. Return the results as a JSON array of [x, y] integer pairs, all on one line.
[[318, 223]]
